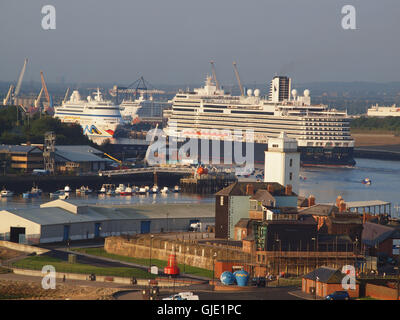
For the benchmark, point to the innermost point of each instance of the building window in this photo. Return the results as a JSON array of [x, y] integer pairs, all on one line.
[[291, 162], [221, 201], [290, 176]]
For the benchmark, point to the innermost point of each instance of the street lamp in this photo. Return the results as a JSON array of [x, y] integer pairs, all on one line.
[[316, 286], [315, 252], [279, 261], [213, 284], [151, 248]]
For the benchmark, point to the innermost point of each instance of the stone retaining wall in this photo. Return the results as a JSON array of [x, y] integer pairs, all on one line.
[[189, 252]]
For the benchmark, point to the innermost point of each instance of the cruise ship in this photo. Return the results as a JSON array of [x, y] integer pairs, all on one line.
[[208, 113], [129, 109], [99, 118], [383, 111]]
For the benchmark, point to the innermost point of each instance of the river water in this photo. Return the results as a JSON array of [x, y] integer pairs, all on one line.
[[324, 183]]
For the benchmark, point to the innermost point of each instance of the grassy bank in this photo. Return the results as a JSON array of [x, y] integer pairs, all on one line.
[[37, 263], [146, 262]]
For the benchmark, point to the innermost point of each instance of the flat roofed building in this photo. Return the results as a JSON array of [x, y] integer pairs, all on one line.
[[60, 220]]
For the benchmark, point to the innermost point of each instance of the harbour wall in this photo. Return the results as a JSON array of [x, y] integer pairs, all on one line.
[[23, 183]]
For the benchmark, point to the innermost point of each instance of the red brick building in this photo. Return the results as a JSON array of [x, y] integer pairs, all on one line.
[[324, 281]]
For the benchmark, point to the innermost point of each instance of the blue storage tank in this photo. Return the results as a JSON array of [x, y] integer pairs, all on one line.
[[227, 278], [242, 278]]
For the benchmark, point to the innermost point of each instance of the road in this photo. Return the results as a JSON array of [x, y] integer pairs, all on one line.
[[256, 294]]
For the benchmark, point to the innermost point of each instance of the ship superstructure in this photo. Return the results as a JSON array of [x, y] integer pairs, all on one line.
[[99, 118], [323, 134]]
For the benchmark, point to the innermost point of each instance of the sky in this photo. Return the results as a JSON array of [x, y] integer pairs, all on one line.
[[173, 41]]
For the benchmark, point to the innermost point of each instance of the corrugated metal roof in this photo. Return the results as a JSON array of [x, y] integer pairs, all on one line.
[[77, 154], [19, 149], [58, 215]]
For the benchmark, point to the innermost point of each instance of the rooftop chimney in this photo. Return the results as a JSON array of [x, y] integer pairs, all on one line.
[[342, 206], [338, 200], [288, 190], [311, 201], [249, 190]]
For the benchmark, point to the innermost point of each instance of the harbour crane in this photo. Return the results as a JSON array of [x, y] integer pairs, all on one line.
[[20, 78], [37, 101], [238, 79], [8, 96], [66, 95], [214, 74], [139, 87], [46, 92]]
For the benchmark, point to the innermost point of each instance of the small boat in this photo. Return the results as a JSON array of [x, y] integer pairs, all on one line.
[[103, 189], [57, 194], [67, 189], [120, 189], [81, 190], [366, 181], [6, 193], [154, 190], [164, 190], [142, 190], [88, 190], [127, 191], [34, 193], [110, 192], [177, 189]]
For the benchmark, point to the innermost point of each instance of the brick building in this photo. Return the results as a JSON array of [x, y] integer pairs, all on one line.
[[324, 281]]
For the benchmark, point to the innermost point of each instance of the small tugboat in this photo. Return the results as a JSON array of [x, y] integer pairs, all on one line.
[[177, 189]]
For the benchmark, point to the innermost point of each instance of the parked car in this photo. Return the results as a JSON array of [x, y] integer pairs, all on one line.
[[338, 295], [259, 281]]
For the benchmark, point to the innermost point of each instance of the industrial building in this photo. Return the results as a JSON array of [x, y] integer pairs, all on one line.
[[76, 158], [62, 220], [26, 158]]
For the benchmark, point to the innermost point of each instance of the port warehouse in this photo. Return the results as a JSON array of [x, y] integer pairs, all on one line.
[[79, 158], [62, 220]]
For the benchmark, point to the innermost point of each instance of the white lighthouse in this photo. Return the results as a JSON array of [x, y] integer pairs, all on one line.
[[282, 162]]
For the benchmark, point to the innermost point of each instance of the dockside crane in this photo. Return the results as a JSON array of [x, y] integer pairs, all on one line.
[[66, 95], [37, 101], [20, 78], [214, 74], [8, 96], [238, 79], [46, 92]]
